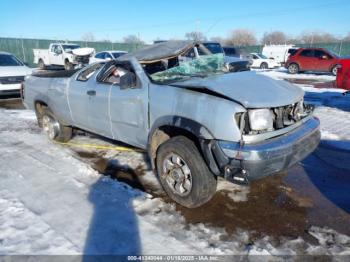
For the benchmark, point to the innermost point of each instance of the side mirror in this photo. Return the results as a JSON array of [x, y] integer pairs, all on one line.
[[128, 80], [324, 57], [59, 52]]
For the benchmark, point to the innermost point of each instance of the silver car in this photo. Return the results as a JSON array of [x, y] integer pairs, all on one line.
[[196, 119]]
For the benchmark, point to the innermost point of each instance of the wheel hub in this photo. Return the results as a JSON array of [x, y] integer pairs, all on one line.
[[177, 174], [50, 127]]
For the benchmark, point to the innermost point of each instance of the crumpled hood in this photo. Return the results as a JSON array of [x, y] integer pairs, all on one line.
[[249, 89], [15, 71]]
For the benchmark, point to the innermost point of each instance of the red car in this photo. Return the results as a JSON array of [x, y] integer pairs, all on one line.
[[313, 59], [343, 75]]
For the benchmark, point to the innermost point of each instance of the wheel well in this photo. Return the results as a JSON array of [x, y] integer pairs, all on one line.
[[66, 61], [332, 66], [164, 133], [39, 109]]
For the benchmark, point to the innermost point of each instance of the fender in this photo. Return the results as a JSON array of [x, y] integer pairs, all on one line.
[[187, 124], [190, 125]]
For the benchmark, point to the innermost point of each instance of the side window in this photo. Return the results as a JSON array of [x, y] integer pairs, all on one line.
[[307, 53], [53, 48], [107, 55], [320, 54], [114, 74], [58, 49], [100, 55], [88, 72], [255, 57]]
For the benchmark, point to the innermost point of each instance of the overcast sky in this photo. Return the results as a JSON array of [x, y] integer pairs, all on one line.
[[163, 19]]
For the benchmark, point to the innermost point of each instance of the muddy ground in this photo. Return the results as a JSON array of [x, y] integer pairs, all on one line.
[[286, 205]]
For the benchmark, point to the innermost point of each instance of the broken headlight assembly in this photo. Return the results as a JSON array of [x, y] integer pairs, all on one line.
[[261, 119], [256, 121]]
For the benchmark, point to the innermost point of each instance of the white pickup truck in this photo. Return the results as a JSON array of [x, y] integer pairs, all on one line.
[[58, 54]]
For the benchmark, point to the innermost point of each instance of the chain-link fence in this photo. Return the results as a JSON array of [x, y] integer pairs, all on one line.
[[23, 48]]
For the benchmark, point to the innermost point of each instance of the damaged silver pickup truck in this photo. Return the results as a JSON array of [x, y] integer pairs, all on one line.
[[197, 119]]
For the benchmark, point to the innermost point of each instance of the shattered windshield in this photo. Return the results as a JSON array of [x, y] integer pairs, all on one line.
[[200, 67]]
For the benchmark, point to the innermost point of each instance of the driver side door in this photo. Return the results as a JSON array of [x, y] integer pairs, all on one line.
[[56, 55]]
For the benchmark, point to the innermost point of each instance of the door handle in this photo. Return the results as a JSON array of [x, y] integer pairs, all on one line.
[[91, 92]]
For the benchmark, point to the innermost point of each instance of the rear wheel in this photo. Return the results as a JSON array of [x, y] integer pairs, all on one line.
[[293, 68], [183, 173], [54, 129], [264, 65], [41, 64]]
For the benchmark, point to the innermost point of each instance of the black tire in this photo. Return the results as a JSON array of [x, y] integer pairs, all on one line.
[[203, 182], [41, 64], [334, 70], [68, 65], [264, 65], [293, 68], [62, 133]]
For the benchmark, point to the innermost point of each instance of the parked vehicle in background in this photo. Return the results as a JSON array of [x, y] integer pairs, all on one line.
[[262, 62], [196, 119], [279, 53], [343, 75], [236, 64], [313, 59], [59, 54], [12, 73], [106, 56], [233, 51]]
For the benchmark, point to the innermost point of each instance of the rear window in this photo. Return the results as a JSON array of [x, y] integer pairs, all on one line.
[[9, 60], [292, 51]]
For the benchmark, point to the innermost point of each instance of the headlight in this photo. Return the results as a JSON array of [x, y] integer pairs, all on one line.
[[261, 119]]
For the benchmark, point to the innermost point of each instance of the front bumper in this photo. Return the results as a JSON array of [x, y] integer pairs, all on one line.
[[10, 89], [244, 163]]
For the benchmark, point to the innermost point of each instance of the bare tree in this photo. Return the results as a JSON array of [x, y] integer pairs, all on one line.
[[275, 37], [241, 37], [347, 38], [317, 37], [132, 39], [195, 35], [217, 39], [88, 37]]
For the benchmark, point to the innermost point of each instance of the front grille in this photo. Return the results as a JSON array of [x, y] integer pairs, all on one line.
[[82, 59], [11, 80]]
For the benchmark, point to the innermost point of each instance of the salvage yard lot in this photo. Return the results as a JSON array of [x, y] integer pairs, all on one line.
[[69, 199]]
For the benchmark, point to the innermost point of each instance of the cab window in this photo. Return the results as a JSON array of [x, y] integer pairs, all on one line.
[[88, 72]]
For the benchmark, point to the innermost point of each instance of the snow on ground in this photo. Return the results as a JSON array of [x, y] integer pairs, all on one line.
[[52, 202], [282, 73]]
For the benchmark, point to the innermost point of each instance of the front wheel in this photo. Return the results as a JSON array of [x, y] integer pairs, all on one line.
[[264, 65], [54, 129], [183, 173], [68, 65], [334, 70]]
